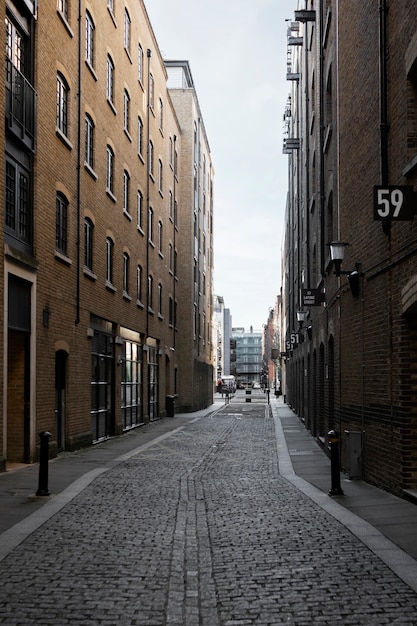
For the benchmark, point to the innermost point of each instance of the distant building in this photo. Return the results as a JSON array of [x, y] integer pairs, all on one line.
[[247, 364]]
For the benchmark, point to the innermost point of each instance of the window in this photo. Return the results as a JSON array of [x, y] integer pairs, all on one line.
[[150, 291], [150, 158], [18, 222], [62, 104], [63, 8], [126, 191], [110, 5], [170, 203], [126, 262], [160, 231], [140, 136], [150, 224], [139, 283], [170, 259], [170, 152], [126, 111], [161, 115], [160, 299], [140, 63], [61, 223], [171, 311], [140, 210], [127, 31], [89, 141], [109, 169], [109, 260], [110, 79], [160, 176], [88, 244], [89, 39], [151, 91]]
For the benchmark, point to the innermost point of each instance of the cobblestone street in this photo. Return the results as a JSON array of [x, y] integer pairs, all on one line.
[[199, 529]]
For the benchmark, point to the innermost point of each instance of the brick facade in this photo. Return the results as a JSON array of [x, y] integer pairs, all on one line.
[[109, 262], [354, 369]]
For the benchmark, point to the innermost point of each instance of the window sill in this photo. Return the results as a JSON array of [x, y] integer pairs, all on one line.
[[126, 296], [62, 258], [65, 23], [89, 274], [111, 195], [64, 139], [110, 287], [92, 70], [90, 170]]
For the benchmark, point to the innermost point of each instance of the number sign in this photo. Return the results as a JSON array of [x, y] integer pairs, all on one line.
[[394, 203]]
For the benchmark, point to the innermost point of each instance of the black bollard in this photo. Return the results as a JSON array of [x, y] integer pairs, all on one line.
[[43, 464], [336, 489]]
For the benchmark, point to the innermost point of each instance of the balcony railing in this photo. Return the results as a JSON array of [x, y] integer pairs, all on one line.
[[20, 105]]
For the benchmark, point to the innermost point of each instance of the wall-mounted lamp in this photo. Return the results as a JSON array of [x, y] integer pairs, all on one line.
[[337, 254], [301, 317]]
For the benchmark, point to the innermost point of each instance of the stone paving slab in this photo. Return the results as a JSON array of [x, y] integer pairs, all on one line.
[[199, 528]]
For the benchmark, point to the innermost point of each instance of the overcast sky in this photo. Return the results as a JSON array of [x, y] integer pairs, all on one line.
[[237, 55]]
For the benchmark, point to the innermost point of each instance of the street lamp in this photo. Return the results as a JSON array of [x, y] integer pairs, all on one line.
[[337, 254]]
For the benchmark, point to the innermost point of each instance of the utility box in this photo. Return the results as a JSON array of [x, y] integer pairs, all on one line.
[[354, 445]]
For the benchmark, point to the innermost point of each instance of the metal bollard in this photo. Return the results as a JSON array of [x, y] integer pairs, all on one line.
[[335, 489], [43, 464]]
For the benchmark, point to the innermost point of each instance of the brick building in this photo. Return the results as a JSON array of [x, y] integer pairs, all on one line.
[[99, 250], [349, 337]]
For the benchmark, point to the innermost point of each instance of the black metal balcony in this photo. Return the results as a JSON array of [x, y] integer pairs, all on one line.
[[20, 105]]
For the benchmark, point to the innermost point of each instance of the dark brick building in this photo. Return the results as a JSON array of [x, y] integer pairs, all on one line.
[[351, 137]]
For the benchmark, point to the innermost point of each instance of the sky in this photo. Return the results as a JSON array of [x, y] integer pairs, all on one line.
[[237, 54]]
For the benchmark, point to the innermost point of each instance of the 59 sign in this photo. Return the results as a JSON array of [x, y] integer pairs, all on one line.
[[394, 203]]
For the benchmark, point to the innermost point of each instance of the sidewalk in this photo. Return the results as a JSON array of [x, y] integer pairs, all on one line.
[[382, 521]]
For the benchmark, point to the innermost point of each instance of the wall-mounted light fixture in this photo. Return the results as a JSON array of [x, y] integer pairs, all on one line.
[[301, 317], [337, 254]]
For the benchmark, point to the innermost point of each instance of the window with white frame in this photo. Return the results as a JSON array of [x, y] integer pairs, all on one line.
[[89, 141], [160, 299], [140, 210], [151, 91], [61, 223], [109, 260], [127, 25], [161, 115], [150, 292], [62, 90], [160, 177], [150, 164], [126, 192], [63, 8], [140, 136], [89, 39], [88, 244], [139, 273], [126, 263], [160, 236], [126, 111], [150, 224], [110, 79], [109, 169], [140, 63]]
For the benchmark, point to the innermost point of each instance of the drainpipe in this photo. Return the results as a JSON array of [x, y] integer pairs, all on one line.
[[174, 314], [383, 99], [149, 54], [77, 297], [321, 121]]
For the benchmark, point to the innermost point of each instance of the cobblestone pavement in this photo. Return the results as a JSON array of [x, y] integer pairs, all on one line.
[[199, 530]]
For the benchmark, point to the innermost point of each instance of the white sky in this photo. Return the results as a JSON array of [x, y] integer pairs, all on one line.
[[237, 55]]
